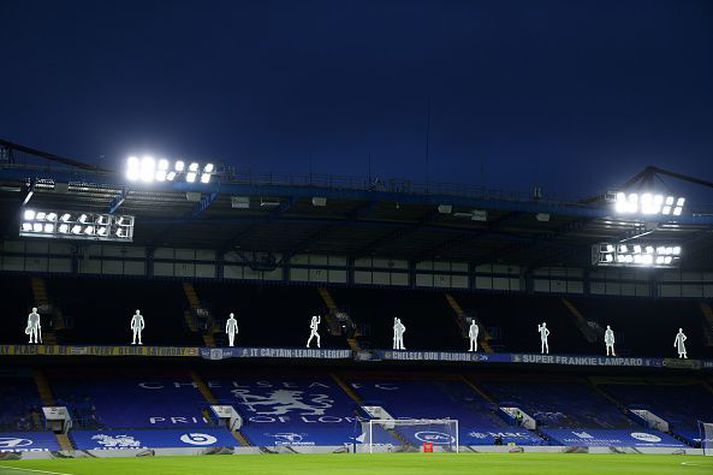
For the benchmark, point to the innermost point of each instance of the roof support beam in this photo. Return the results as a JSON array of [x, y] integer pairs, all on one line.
[[118, 200]]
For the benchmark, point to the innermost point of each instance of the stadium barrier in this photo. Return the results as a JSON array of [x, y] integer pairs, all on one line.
[[343, 354]]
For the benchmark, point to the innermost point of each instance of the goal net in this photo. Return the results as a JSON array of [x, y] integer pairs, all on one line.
[[409, 435], [706, 429]]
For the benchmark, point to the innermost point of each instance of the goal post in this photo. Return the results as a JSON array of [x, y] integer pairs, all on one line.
[[706, 431], [410, 435]]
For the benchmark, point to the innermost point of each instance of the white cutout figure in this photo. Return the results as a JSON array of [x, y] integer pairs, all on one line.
[[544, 335], [313, 327], [34, 329], [609, 341], [680, 344], [399, 330], [137, 325], [473, 335], [231, 328]]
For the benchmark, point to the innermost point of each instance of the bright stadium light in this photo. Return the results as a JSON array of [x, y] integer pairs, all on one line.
[[648, 204], [637, 255], [77, 225], [148, 170]]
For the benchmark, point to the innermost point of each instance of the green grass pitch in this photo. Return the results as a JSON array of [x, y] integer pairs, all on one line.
[[392, 464]]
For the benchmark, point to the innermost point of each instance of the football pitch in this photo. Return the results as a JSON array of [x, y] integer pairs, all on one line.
[[392, 464]]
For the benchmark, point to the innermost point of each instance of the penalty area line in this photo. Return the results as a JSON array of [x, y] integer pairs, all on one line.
[[30, 470]]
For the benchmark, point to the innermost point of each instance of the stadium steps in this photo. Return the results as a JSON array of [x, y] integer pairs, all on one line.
[[190, 321], [477, 389], [588, 332], [195, 304], [39, 293], [47, 398], [461, 322], [347, 389], [210, 399], [708, 330], [333, 310]]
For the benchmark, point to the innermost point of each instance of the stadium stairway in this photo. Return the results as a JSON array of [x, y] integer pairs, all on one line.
[[210, 399], [194, 303], [39, 292], [47, 398], [331, 320], [460, 318], [708, 327], [360, 402], [588, 332]]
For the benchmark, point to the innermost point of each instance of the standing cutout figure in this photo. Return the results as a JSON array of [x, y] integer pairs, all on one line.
[[544, 335], [399, 330], [313, 327], [231, 328], [609, 341], [33, 326], [680, 344], [137, 325], [473, 335]]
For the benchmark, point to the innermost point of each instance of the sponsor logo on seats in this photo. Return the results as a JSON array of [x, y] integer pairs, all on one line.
[[645, 437], [14, 442], [290, 438], [196, 438], [279, 402], [583, 435], [120, 441], [438, 438]]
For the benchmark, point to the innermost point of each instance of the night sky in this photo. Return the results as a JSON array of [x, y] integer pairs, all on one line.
[[574, 96]]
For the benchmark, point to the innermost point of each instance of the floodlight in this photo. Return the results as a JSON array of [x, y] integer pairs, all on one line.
[[636, 255], [148, 170], [77, 225], [648, 203], [29, 215], [133, 169], [148, 167]]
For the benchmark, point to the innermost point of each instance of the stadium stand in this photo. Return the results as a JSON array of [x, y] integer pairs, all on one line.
[[681, 404], [100, 310], [268, 315], [426, 315], [435, 398], [293, 410], [514, 318]]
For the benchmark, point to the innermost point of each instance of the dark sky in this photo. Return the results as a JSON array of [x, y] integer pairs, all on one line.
[[575, 96]]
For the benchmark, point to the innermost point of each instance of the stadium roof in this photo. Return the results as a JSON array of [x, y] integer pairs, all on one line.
[[360, 218]]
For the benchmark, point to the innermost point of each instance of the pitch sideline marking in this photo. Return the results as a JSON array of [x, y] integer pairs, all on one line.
[[2, 467]]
